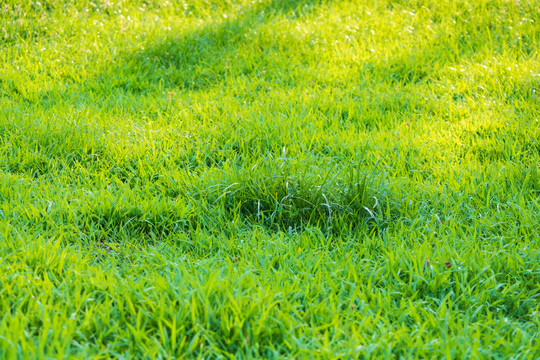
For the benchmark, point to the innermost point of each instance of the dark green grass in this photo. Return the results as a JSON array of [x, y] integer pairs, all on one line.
[[269, 179]]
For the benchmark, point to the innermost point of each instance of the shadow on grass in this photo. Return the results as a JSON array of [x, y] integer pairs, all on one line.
[[208, 56]]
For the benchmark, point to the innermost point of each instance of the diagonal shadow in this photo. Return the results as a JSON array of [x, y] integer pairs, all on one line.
[[206, 57]]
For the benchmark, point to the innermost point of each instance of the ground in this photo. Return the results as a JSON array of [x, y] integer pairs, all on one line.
[[276, 179]]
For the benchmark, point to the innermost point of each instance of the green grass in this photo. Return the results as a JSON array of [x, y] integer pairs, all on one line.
[[277, 179]]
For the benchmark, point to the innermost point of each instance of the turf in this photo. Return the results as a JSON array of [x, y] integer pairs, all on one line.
[[276, 179]]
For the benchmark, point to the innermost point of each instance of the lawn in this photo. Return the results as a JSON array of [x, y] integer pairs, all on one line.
[[270, 179]]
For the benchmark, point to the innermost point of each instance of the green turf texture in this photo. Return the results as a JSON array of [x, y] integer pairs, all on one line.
[[270, 179]]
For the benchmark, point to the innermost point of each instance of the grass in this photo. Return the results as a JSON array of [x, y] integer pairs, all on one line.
[[277, 179]]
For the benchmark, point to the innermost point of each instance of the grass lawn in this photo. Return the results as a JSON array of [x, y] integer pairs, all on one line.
[[270, 179]]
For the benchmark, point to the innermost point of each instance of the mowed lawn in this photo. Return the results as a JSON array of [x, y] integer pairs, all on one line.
[[243, 179]]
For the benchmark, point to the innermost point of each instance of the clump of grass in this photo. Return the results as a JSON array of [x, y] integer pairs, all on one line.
[[285, 194]]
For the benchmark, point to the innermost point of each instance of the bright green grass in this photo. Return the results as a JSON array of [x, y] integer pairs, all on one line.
[[250, 179]]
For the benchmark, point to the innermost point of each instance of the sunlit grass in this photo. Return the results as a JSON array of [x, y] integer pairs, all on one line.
[[298, 179]]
